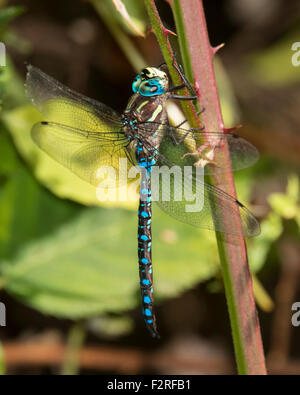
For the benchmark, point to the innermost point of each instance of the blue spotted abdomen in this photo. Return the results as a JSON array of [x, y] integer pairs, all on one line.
[[145, 239]]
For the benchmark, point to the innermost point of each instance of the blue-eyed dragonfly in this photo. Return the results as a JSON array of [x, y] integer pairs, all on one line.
[[83, 134]]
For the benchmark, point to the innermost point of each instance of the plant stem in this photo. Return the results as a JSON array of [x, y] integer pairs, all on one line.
[[163, 41], [232, 249], [2, 361], [75, 341], [130, 51]]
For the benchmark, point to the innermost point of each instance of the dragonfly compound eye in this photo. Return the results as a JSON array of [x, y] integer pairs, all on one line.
[[136, 83], [152, 87], [150, 82]]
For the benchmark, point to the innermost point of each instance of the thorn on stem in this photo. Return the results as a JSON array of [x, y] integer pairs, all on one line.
[[168, 31], [229, 130], [217, 48], [197, 88]]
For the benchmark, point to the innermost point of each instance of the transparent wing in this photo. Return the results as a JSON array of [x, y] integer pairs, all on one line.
[[60, 104], [82, 134], [207, 208], [183, 194], [180, 143], [83, 152]]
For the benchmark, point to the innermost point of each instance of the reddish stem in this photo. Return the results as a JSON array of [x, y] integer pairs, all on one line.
[[232, 249]]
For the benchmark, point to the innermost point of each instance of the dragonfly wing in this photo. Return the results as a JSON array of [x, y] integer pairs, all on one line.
[[60, 104], [242, 153], [183, 194], [82, 134], [83, 152], [206, 208], [180, 143]]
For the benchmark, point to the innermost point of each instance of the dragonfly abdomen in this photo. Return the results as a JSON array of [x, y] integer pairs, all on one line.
[[145, 239], [140, 111]]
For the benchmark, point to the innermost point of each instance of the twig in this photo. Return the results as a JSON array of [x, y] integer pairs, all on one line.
[[75, 341], [232, 249], [124, 360], [130, 51]]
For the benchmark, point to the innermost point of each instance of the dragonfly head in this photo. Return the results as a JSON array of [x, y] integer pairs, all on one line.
[[151, 82]]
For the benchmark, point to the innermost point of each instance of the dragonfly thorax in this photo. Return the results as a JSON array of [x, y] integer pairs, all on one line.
[[143, 118], [145, 112]]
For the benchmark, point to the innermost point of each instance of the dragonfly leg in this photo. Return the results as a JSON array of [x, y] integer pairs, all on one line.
[[182, 138], [179, 70], [186, 83], [179, 97], [176, 88], [162, 64], [183, 122]]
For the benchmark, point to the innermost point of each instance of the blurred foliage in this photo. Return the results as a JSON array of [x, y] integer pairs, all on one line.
[[228, 101], [7, 15], [131, 14], [2, 361], [288, 205], [274, 66], [75, 341], [12, 92], [23, 203], [96, 253], [110, 326], [118, 25]]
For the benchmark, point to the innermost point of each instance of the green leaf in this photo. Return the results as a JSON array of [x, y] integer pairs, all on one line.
[[293, 188], [115, 25], [274, 65], [133, 15], [271, 229], [12, 92], [2, 361], [27, 210], [89, 266], [110, 326], [287, 205], [8, 14], [228, 101]]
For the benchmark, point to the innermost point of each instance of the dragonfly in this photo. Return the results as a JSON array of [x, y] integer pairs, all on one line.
[[83, 134]]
